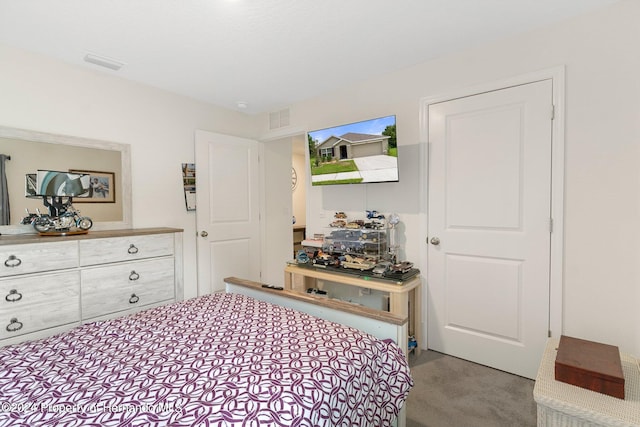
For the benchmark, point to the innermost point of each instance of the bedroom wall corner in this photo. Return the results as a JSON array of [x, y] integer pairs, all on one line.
[[46, 95]]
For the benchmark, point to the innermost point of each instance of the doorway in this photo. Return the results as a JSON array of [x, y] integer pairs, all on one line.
[[491, 251], [299, 166], [228, 215]]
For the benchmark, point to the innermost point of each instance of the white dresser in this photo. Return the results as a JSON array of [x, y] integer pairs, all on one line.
[[50, 284]]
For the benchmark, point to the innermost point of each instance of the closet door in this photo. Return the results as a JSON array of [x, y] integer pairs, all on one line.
[[489, 226]]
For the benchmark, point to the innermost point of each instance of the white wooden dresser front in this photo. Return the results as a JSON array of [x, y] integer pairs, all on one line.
[[51, 284]]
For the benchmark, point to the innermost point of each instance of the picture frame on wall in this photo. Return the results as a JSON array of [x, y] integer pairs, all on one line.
[[102, 189], [189, 184], [30, 185]]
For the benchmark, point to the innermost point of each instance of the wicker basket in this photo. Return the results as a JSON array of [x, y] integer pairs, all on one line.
[[562, 404]]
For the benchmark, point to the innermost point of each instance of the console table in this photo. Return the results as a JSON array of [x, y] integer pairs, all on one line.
[[562, 404], [404, 296]]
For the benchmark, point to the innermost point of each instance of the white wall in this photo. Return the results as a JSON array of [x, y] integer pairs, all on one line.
[[45, 95], [277, 234], [602, 191]]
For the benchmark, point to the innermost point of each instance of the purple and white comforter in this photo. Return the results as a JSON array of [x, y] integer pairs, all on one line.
[[216, 360]]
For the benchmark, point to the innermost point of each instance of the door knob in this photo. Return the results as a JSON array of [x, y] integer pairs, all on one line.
[[435, 241], [204, 233]]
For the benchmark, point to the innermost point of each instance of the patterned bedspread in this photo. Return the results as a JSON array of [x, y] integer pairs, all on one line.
[[216, 360]]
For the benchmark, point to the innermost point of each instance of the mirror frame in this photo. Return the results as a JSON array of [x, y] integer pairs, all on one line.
[[125, 179]]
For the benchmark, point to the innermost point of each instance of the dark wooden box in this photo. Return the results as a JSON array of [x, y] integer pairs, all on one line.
[[590, 365]]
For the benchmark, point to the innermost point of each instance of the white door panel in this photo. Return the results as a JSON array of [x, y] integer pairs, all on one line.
[[228, 257], [498, 293], [489, 205], [476, 198], [227, 216]]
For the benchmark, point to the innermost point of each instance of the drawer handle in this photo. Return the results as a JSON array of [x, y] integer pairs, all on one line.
[[12, 261], [134, 299], [132, 249], [13, 296], [14, 325], [134, 275]]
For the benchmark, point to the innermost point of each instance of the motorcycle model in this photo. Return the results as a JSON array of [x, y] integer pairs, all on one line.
[[64, 222]]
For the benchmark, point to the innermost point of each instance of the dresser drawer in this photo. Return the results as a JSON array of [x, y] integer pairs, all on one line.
[[37, 257], [37, 302], [123, 286], [117, 249]]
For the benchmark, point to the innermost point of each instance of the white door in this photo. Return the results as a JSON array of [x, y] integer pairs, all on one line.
[[489, 227], [227, 209]]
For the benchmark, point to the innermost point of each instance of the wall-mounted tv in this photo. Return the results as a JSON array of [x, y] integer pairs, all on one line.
[[355, 153]]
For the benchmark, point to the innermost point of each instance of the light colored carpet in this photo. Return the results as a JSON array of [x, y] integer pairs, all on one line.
[[453, 392]]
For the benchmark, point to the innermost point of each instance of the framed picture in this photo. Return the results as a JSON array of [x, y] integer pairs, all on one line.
[[189, 184], [102, 187], [30, 185]]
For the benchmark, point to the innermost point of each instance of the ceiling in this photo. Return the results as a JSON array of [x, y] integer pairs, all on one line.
[[267, 54]]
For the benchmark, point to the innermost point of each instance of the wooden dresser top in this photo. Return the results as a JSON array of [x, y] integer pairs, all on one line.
[[16, 239]]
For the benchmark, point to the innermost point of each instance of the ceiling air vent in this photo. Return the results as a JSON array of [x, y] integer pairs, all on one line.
[[278, 119]]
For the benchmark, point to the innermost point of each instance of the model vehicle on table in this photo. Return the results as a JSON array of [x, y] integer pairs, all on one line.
[[372, 236], [344, 234], [382, 267], [302, 257], [339, 223], [356, 224], [358, 263], [344, 246], [325, 260], [374, 214], [374, 224], [401, 267]]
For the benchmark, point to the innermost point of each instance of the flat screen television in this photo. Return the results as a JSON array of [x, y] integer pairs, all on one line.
[[354, 153]]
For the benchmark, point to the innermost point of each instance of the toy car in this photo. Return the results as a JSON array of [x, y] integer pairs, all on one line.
[[316, 291], [358, 263], [344, 234], [324, 260], [357, 224], [374, 214], [302, 257], [381, 267], [374, 224], [343, 246], [401, 267]]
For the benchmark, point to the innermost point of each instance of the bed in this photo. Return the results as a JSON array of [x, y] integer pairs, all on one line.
[[215, 360]]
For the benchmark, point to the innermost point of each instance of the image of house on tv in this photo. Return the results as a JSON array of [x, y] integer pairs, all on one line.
[[359, 152], [352, 145]]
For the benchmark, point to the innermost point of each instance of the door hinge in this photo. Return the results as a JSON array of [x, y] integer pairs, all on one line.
[[553, 111], [550, 225]]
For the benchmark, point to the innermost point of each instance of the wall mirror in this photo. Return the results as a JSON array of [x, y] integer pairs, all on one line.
[[30, 151]]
